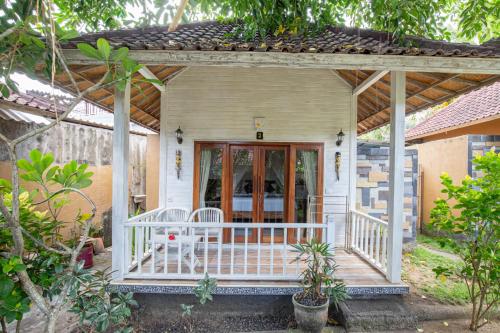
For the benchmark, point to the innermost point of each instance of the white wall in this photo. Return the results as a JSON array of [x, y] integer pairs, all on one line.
[[219, 103]]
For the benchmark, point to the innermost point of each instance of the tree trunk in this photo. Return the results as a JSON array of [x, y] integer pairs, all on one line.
[[4, 326], [51, 324]]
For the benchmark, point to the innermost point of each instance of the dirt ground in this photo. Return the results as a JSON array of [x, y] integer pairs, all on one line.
[[455, 326]]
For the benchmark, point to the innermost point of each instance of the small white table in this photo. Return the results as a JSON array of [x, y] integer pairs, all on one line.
[[184, 242]]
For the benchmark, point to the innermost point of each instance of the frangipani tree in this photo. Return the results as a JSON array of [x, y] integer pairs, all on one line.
[[29, 41]]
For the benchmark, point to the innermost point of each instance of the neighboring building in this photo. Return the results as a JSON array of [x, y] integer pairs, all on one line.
[[87, 137], [448, 141]]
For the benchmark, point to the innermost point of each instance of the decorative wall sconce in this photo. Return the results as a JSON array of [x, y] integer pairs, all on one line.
[[340, 137], [337, 165], [178, 162], [178, 135]]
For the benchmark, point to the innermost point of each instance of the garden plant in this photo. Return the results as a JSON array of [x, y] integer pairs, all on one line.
[[320, 287], [470, 216], [48, 263]]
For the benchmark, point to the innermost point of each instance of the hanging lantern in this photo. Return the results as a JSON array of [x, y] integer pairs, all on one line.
[[340, 137], [178, 135]]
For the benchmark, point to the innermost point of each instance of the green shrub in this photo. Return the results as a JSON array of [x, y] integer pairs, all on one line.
[[472, 211]]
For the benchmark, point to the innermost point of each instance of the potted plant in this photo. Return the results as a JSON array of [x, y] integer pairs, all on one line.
[[87, 255], [320, 288], [96, 235]]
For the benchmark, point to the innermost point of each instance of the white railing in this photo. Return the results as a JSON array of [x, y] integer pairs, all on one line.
[[188, 250], [369, 239]]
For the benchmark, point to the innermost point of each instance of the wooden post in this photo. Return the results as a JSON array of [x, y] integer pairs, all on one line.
[[396, 177], [120, 178], [162, 179], [353, 150]]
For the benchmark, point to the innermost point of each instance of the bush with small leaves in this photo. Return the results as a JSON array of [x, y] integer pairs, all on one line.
[[470, 216]]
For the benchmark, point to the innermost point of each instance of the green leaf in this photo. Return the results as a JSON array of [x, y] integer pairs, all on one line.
[[24, 165], [89, 51], [120, 54], [4, 90], [104, 48], [70, 34], [35, 155], [6, 287]]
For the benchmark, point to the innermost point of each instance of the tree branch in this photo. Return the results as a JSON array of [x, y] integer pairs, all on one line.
[[178, 15], [42, 244], [65, 114]]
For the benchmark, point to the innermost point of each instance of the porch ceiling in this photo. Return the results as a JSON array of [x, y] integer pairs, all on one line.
[[144, 97], [423, 90]]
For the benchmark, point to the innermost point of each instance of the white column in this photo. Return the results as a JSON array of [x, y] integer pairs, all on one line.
[[162, 179], [120, 178], [353, 152], [396, 177]]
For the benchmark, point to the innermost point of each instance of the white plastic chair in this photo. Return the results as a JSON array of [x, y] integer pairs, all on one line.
[[208, 215], [172, 215]]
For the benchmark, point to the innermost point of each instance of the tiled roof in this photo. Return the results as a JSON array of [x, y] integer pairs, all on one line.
[[478, 104], [214, 36], [41, 104], [34, 101]]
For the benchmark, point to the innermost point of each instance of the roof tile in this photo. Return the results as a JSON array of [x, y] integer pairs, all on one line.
[[478, 104], [214, 36]]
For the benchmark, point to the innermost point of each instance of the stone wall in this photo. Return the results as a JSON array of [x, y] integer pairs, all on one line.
[[373, 184], [479, 145], [85, 144]]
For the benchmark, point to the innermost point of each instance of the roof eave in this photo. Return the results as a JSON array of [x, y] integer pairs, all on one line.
[[488, 65]]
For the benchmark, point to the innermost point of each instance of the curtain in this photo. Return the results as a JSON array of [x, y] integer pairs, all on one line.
[[205, 161], [278, 166], [242, 163], [310, 163]]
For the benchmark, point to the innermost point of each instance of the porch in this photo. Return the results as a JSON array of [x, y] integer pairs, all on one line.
[[170, 257]]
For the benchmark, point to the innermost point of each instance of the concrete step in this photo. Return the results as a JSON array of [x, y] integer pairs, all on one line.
[[368, 315]]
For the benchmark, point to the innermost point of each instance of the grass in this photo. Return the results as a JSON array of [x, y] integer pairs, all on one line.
[[437, 243], [418, 267]]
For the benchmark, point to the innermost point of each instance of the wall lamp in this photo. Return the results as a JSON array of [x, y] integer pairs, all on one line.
[[178, 135], [340, 137]]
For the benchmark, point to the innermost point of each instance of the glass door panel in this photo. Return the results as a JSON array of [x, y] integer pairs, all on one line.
[[243, 193], [210, 182], [273, 191], [306, 189]]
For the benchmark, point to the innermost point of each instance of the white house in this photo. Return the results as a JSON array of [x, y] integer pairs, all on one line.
[[260, 126]]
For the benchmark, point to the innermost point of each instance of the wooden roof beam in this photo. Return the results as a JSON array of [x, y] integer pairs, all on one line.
[[368, 82], [147, 74], [488, 65], [139, 110]]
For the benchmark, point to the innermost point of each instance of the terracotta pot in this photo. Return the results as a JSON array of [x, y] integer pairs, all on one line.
[[98, 244], [310, 319], [87, 255]]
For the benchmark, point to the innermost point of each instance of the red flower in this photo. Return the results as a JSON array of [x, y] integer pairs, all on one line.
[[171, 237]]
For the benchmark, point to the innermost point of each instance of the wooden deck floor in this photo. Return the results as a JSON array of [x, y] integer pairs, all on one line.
[[352, 269]]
